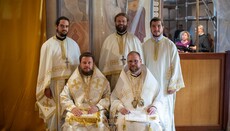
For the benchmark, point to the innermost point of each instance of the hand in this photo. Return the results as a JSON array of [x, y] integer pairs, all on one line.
[[171, 91], [151, 110], [76, 111], [48, 93], [93, 109], [124, 111], [193, 47]]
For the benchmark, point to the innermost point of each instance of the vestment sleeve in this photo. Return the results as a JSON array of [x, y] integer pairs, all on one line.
[[176, 81], [116, 104], [45, 70], [104, 103], [66, 99]]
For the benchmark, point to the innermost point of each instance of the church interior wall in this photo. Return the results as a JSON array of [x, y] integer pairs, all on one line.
[[21, 38]]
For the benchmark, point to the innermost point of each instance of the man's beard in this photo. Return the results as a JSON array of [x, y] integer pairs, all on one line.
[[156, 35], [62, 34], [88, 73], [134, 69], [135, 72], [121, 29]]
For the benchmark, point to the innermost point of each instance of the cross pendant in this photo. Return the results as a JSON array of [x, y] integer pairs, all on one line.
[[66, 62], [123, 60]]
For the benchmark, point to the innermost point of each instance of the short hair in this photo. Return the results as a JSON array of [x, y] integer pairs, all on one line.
[[86, 54], [135, 52], [201, 26], [189, 37], [61, 18], [121, 14], [155, 19]]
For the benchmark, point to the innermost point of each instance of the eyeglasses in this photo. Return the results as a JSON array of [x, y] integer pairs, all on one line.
[[131, 61]]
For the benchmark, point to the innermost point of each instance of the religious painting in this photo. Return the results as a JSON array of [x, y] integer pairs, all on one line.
[[136, 11], [140, 13], [77, 12], [93, 21]]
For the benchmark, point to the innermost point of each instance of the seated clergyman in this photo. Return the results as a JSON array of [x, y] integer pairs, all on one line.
[[86, 98], [135, 99]]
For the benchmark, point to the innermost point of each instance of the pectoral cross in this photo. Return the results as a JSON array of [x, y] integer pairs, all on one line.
[[123, 60], [66, 62]]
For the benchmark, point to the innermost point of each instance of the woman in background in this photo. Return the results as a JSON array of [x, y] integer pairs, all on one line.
[[185, 42]]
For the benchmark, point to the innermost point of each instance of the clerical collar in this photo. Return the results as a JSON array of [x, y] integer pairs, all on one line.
[[119, 33], [59, 38], [158, 38]]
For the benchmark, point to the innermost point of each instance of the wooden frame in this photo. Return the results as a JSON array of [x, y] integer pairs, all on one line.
[[222, 96]]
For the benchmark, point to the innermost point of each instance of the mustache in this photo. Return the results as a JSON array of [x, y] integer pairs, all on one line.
[[86, 73]]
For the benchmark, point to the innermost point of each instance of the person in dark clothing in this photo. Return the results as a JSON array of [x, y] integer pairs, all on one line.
[[177, 33], [204, 45], [211, 41]]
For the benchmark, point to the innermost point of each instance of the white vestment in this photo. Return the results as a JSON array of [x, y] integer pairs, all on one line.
[[123, 96], [83, 92], [163, 61], [53, 73], [111, 59]]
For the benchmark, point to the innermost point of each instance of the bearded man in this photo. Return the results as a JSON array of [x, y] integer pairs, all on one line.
[[135, 101], [163, 61], [86, 98], [115, 49], [58, 59]]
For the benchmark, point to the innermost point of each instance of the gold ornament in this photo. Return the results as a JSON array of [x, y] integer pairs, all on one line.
[[134, 103], [141, 102]]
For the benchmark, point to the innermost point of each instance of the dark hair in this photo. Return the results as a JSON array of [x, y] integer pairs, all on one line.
[[155, 19], [134, 52], [121, 14], [61, 18], [86, 54]]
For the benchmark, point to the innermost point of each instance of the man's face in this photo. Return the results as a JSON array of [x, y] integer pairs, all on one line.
[[156, 28], [134, 63], [86, 65], [180, 27], [200, 30], [121, 24], [63, 28]]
